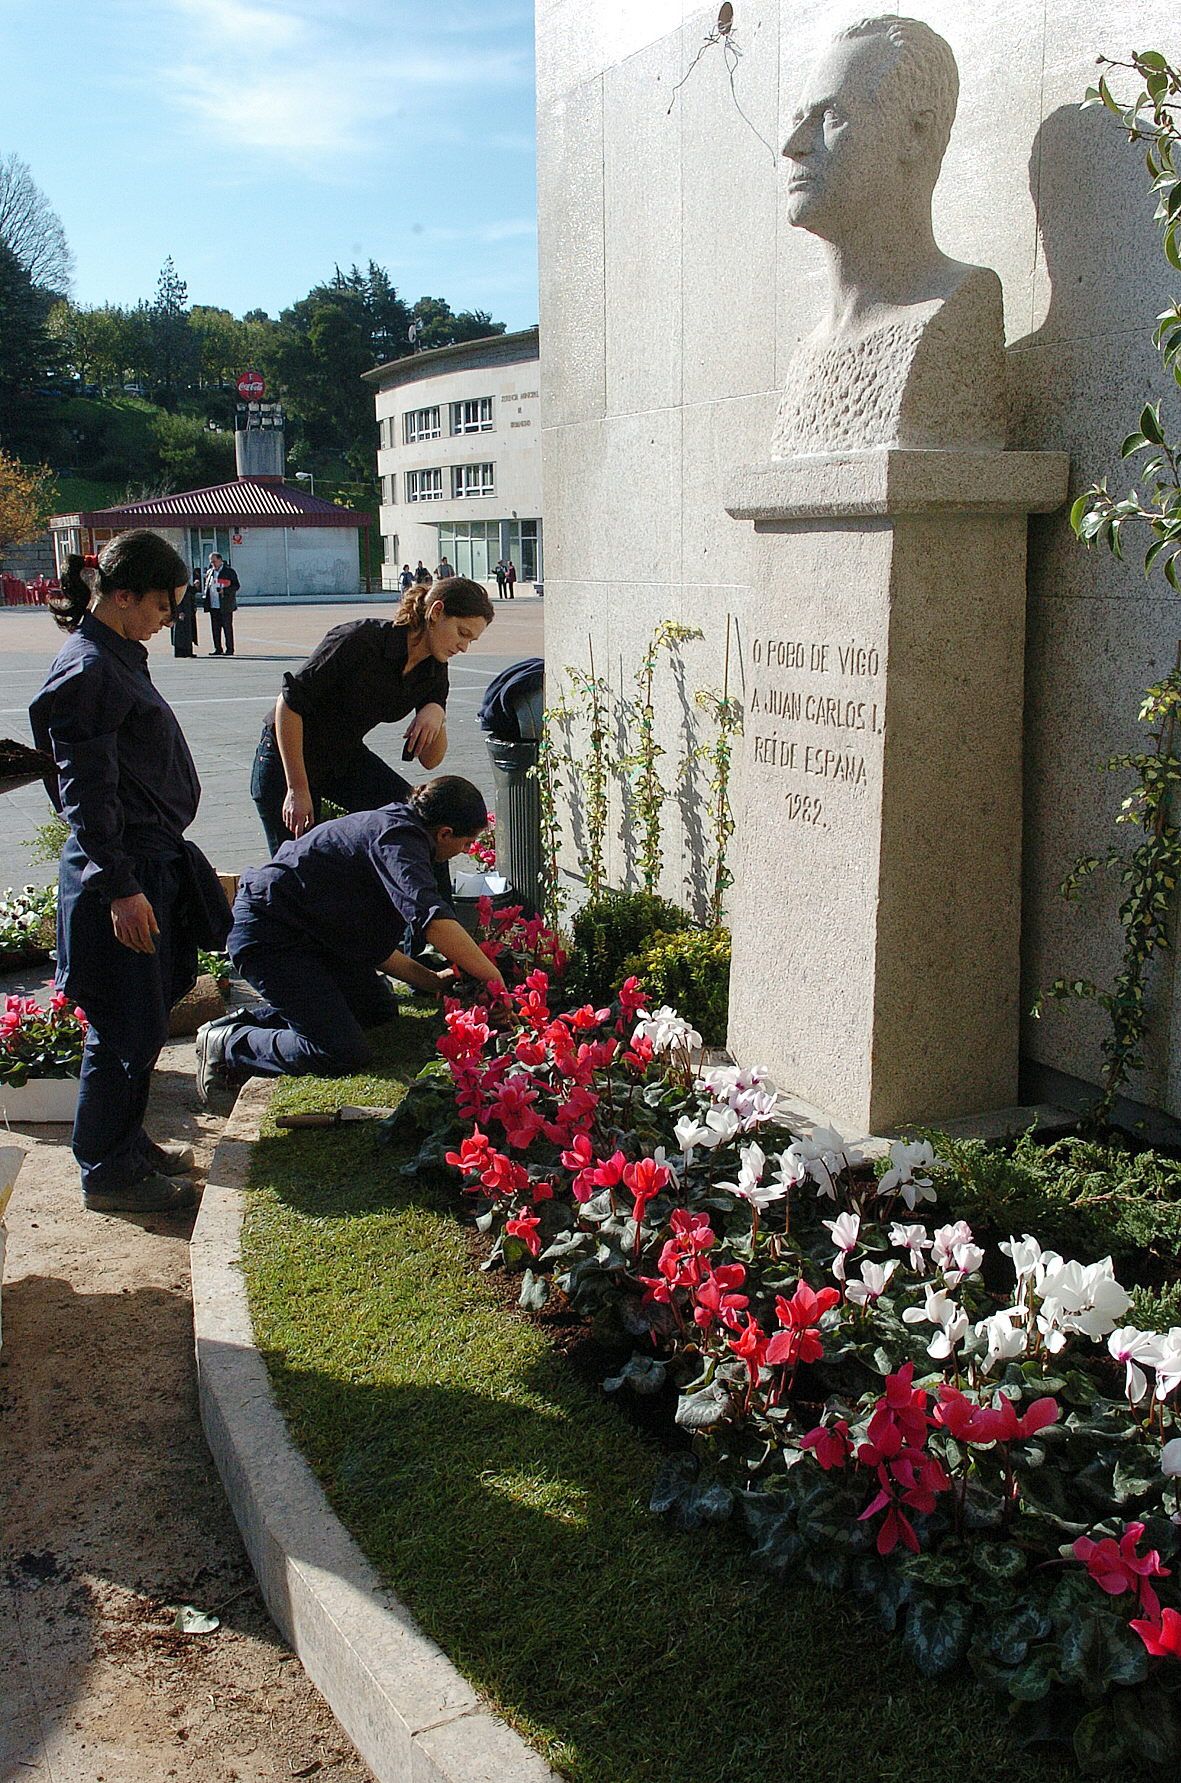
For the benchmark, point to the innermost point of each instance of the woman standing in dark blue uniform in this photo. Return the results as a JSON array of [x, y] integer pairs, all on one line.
[[135, 900]]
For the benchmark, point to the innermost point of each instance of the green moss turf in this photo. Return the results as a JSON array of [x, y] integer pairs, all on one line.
[[505, 1502]]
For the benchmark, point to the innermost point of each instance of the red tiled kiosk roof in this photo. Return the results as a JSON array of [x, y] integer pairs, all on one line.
[[246, 502]]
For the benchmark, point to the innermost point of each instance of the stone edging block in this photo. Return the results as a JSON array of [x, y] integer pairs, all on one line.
[[409, 1713]]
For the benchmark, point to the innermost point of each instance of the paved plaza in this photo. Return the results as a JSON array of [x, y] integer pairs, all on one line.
[[221, 704]]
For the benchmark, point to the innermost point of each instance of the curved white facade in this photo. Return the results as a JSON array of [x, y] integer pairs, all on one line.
[[459, 458]]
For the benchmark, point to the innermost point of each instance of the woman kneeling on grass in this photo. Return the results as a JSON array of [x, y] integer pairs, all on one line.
[[315, 928]]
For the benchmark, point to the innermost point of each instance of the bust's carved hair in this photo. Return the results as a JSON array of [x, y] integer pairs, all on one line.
[[922, 76]]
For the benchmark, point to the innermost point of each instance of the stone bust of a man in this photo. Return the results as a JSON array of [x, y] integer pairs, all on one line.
[[911, 350]]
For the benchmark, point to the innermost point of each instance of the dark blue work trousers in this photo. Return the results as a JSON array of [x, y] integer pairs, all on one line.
[[127, 998], [316, 1010], [362, 782]]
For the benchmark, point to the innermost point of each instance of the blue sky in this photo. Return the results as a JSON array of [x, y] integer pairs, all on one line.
[[261, 142]]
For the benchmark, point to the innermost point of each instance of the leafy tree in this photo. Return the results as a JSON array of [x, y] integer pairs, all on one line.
[[172, 340], [437, 326], [219, 343], [28, 496], [26, 353], [32, 228], [190, 453]]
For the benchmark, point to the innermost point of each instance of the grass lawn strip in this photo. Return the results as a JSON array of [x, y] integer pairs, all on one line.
[[506, 1503]]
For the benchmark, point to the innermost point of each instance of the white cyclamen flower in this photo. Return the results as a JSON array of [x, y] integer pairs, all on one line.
[[721, 1124], [689, 1133], [874, 1280], [1170, 1458], [1168, 1363], [827, 1154], [1026, 1255], [750, 1185], [1131, 1347], [950, 1320], [747, 1090], [955, 1252], [666, 1030], [907, 1173], [914, 1239], [1004, 1337], [793, 1167], [1080, 1298], [844, 1231]]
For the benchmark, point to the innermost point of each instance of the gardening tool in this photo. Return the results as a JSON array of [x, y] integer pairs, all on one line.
[[333, 1117]]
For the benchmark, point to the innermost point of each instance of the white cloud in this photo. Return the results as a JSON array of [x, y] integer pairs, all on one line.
[[314, 83]]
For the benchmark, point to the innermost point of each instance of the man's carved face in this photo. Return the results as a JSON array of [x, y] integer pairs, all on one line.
[[843, 153]]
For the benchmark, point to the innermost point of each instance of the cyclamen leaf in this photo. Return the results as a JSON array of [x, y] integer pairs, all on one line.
[[711, 1503], [534, 1291], [675, 1477], [937, 1634], [704, 1410]]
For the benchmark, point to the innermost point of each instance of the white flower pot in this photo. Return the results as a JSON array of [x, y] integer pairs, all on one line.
[[39, 1100]]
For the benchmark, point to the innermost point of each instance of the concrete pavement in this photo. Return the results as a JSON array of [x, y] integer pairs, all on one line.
[[221, 704]]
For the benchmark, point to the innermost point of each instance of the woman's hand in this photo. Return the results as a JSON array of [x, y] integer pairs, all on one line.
[[134, 923], [425, 732], [298, 810]]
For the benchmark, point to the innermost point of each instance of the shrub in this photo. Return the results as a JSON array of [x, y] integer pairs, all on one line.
[[1080, 1196], [609, 931], [691, 970], [49, 838]]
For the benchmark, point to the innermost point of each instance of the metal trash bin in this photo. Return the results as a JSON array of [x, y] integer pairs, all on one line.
[[518, 816]]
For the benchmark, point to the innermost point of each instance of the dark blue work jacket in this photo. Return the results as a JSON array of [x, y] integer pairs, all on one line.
[[126, 783], [127, 787], [361, 888]]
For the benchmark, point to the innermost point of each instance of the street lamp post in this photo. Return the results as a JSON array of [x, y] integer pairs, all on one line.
[[306, 477]]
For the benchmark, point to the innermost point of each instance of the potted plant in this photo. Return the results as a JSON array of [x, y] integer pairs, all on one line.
[[40, 1059], [28, 925]]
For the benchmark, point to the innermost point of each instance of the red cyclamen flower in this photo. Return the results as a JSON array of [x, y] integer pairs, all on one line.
[[1116, 1567]]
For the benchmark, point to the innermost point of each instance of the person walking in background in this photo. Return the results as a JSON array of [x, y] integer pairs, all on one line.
[[510, 576], [135, 900], [422, 575], [220, 602], [501, 579], [364, 673], [405, 580], [444, 571]]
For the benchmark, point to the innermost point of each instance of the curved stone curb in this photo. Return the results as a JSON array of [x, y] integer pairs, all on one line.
[[409, 1713]]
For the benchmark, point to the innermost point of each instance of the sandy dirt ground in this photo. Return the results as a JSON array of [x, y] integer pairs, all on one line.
[[112, 1514]]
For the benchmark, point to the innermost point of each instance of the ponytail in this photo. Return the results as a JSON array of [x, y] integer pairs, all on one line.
[[139, 561], [452, 802], [77, 590], [461, 598]]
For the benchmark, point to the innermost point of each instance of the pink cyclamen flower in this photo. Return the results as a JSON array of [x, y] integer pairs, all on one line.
[[830, 1443], [1161, 1634], [1116, 1567]]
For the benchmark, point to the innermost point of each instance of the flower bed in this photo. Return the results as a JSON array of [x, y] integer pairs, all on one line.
[[28, 925], [978, 1443], [469, 1449], [36, 1042]]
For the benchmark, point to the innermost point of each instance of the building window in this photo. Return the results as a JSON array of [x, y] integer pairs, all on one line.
[[472, 417], [389, 490], [473, 546], [472, 479], [419, 424], [426, 485]]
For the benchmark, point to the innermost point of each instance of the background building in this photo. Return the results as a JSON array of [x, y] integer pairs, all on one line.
[[673, 291], [284, 544], [459, 457]]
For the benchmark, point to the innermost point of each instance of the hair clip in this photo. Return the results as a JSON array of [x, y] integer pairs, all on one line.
[[90, 563]]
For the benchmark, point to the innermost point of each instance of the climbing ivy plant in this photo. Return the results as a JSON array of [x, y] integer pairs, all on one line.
[[726, 714], [642, 760], [1148, 870]]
